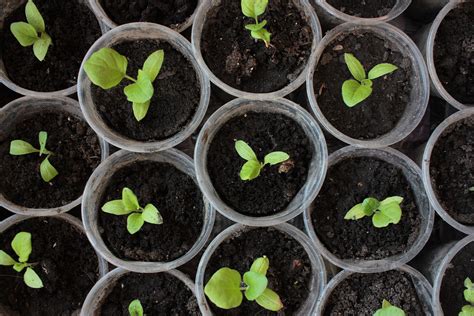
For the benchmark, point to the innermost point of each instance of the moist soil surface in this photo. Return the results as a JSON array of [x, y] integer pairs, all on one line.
[[246, 64], [362, 294], [277, 185], [348, 183], [159, 294], [76, 153], [451, 170], [289, 274], [73, 29], [173, 193], [62, 258], [364, 8], [452, 287], [174, 102], [164, 12], [454, 53], [381, 111]]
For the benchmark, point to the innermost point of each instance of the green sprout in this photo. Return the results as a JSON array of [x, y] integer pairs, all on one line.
[[106, 68], [471, 189], [20, 147], [27, 33], [389, 310], [251, 169], [225, 287], [356, 91], [252, 9], [468, 310], [21, 245], [138, 215], [383, 213], [135, 308]]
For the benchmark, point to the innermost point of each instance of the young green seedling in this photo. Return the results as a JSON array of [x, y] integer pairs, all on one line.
[[225, 287], [21, 245], [356, 91], [383, 213], [468, 310], [20, 147], [251, 169], [135, 308], [252, 9], [471, 189], [106, 68], [138, 215], [389, 310], [27, 33]]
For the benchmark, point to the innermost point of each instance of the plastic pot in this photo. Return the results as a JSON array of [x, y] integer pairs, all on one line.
[[130, 32], [317, 168]]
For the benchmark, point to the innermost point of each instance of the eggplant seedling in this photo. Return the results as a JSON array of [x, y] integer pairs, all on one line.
[[383, 213], [389, 310], [252, 9], [135, 308], [137, 215], [468, 310], [20, 147], [106, 68], [21, 245], [225, 287]]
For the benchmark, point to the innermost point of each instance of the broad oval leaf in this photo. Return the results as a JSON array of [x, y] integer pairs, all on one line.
[[270, 300], [140, 110], [355, 213], [115, 207], [469, 295], [392, 199], [355, 67], [152, 215], [153, 63], [134, 222], [393, 211], [24, 33], [135, 308], [32, 279], [256, 284], [468, 283], [140, 91], [276, 157], [106, 68], [353, 92], [370, 205], [248, 8], [379, 220], [245, 151], [5, 259], [33, 16], [223, 288], [381, 70], [263, 35], [467, 310], [259, 7], [260, 265], [389, 310], [20, 147], [256, 27], [130, 200], [250, 170], [47, 170], [41, 46], [21, 245], [42, 138]]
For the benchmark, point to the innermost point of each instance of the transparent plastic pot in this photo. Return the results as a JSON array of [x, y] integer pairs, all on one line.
[[317, 168], [100, 291], [316, 284], [413, 175], [131, 32], [23, 107], [198, 25], [416, 107], [96, 186], [430, 191]]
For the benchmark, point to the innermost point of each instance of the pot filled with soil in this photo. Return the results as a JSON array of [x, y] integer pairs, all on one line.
[[42, 51], [368, 85], [372, 213], [141, 88], [121, 291], [55, 266], [259, 52], [260, 162], [47, 153], [145, 212], [280, 257]]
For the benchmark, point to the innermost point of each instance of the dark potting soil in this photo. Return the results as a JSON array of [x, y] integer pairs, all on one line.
[[174, 103], [173, 193], [452, 287], [76, 154], [454, 52], [60, 67], [289, 274], [348, 183], [274, 189], [243, 63], [452, 170], [364, 8], [159, 294], [381, 111], [362, 294], [63, 259]]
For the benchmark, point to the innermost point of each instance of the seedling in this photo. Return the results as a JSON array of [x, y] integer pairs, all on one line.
[[383, 213], [137, 215], [135, 308], [468, 310], [27, 33], [106, 68], [389, 310], [252, 9], [21, 245], [251, 169], [225, 287], [20, 147], [356, 91]]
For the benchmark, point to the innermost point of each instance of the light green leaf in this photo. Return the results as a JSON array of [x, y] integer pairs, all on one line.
[[260, 265], [153, 63], [467, 310], [379, 220], [355, 67], [33, 16], [152, 215], [18, 267], [389, 310], [42, 138], [370, 205], [250, 170], [32, 279], [106, 68], [21, 244], [355, 213], [20, 147], [135, 308], [276, 157], [392, 211], [256, 284], [245, 151], [115, 207], [381, 70], [5, 259], [140, 91], [260, 6], [469, 291], [270, 300], [41, 46], [468, 283], [134, 222], [392, 199], [353, 92], [47, 170], [263, 35], [256, 27], [130, 200], [24, 33], [223, 288], [471, 189], [140, 110], [248, 8]]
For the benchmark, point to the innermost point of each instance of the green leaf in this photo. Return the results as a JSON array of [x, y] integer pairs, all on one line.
[[24, 33], [33, 16], [270, 300], [5, 259], [42, 138], [355, 67], [469, 291], [140, 91], [140, 110], [355, 213], [256, 27], [260, 6], [47, 170], [115, 207], [153, 63], [41, 46], [263, 35], [130, 200], [18, 267], [250, 170], [471, 189], [260, 265], [389, 310], [248, 8], [135, 308], [380, 220], [106, 68], [468, 283], [21, 244], [467, 310], [370, 205], [256, 284], [392, 199], [20, 147], [223, 288], [32, 279], [134, 222], [152, 215], [276, 157], [353, 92], [245, 151], [381, 70], [392, 211]]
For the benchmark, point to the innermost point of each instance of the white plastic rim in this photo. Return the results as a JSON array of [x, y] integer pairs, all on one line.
[[198, 26], [419, 98], [317, 283], [413, 175], [430, 191], [140, 31], [317, 168], [27, 106]]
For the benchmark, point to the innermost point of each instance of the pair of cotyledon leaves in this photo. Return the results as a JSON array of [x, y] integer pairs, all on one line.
[[383, 213]]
